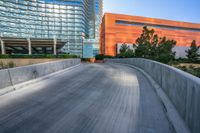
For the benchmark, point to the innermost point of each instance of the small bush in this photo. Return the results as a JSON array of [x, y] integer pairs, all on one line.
[[126, 52], [99, 57], [108, 56], [165, 58], [193, 52], [85, 59], [2, 65], [102, 57], [173, 62], [11, 64]]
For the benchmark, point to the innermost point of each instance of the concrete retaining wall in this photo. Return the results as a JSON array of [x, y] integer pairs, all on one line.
[[182, 88], [27, 61], [4, 79], [13, 76]]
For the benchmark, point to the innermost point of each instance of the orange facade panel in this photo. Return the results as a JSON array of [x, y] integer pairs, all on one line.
[[118, 28]]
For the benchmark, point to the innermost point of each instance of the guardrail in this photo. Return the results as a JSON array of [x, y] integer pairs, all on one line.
[[183, 89]]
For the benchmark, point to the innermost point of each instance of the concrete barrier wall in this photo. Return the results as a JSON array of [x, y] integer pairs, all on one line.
[[27, 61], [4, 79], [13, 76], [182, 88]]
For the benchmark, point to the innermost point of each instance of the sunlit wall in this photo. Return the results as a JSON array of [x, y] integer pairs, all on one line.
[[64, 19]]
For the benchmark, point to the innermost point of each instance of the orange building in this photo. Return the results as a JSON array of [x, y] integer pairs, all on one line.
[[117, 29]]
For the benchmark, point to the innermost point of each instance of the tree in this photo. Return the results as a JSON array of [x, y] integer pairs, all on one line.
[[164, 50], [125, 51], [193, 52], [150, 46], [144, 43]]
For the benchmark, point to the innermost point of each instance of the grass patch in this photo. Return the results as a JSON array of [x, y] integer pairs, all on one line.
[[192, 69]]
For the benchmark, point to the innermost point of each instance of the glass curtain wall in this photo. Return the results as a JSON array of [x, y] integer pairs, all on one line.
[[98, 20], [96, 8], [46, 19]]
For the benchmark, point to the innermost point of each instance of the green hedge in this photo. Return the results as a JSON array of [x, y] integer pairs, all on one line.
[[101, 57], [38, 56]]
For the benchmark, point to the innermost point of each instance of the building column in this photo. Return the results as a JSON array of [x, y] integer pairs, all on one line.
[[54, 46], [29, 46], [2, 47]]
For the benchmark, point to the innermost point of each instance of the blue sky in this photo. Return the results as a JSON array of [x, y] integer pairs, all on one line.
[[181, 10]]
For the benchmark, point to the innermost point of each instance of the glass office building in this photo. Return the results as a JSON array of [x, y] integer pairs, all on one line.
[[72, 21], [95, 21]]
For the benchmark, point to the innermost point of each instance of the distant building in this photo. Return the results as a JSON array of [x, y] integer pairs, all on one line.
[[117, 29], [49, 26]]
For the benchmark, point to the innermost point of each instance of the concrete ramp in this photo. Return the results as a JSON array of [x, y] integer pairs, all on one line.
[[181, 88], [92, 98]]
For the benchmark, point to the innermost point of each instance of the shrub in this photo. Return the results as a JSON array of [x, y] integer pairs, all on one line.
[[85, 59], [11, 64], [173, 62], [2, 65], [99, 57], [165, 58], [125, 52], [193, 52], [108, 56]]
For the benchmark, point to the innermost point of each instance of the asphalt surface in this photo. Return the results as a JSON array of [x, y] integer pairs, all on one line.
[[93, 98]]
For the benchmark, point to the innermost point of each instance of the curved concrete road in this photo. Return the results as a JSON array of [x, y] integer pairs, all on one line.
[[93, 98]]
